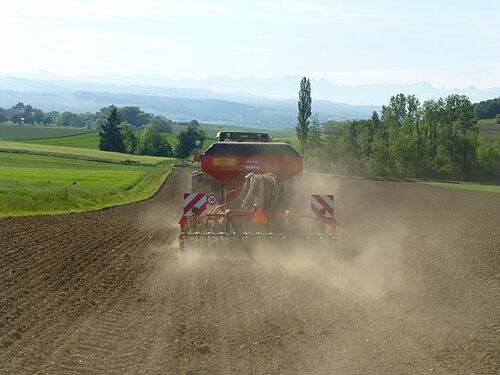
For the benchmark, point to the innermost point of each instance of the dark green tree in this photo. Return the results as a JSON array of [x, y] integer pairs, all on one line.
[[188, 141], [129, 138], [67, 119], [38, 116], [18, 106], [3, 115], [314, 138], [163, 124], [49, 118], [303, 127], [152, 142], [487, 109], [134, 116], [110, 138]]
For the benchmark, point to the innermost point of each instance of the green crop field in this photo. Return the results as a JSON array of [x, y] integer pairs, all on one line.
[[91, 141], [87, 140], [23, 132], [79, 153], [489, 131], [465, 186], [35, 184]]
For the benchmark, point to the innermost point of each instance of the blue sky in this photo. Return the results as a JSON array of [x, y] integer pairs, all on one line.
[[447, 43]]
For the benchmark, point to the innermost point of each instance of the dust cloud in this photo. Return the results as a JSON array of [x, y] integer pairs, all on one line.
[[363, 263], [369, 271], [394, 291]]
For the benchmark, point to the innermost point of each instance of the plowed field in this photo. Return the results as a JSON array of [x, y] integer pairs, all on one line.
[[412, 288]]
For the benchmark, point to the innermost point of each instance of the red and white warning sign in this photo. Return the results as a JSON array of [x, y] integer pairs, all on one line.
[[195, 204], [323, 206], [212, 199]]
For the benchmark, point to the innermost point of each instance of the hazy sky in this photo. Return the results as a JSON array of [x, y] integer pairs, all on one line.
[[455, 43]]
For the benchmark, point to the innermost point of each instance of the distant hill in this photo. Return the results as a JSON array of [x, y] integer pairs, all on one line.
[[246, 101], [177, 104], [241, 89]]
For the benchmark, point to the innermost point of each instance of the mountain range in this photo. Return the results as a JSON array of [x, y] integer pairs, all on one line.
[[244, 101]]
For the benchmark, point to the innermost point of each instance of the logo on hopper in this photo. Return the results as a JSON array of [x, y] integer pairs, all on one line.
[[252, 164]]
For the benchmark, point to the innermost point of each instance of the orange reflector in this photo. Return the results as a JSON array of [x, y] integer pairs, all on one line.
[[259, 217]]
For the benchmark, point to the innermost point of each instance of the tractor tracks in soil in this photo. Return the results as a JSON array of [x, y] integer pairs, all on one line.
[[108, 292]]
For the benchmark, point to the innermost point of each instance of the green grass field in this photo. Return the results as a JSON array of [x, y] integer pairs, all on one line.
[[35, 184], [23, 132], [87, 140], [78, 153], [90, 139], [489, 131], [465, 186]]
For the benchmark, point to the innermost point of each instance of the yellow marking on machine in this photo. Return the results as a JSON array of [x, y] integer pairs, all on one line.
[[224, 161]]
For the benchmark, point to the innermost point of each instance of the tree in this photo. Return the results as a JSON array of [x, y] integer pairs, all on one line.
[[110, 138], [194, 123], [314, 138], [400, 108], [163, 124], [38, 116], [67, 119], [3, 115], [304, 104], [498, 119], [18, 106], [134, 116], [487, 109], [153, 143], [129, 138], [16, 118], [188, 140], [50, 118]]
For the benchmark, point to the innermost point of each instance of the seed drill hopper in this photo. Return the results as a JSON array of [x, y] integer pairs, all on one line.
[[245, 193]]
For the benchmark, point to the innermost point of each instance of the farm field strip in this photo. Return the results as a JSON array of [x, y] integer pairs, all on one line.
[[489, 131], [87, 140], [24, 132], [108, 292], [78, 153], [465, 186], [36, 184]]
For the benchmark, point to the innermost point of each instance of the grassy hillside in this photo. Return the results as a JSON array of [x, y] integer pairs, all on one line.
[[35, 184], [79, 153], [489, 131], [22, 132], [87, 140], [91, 141]]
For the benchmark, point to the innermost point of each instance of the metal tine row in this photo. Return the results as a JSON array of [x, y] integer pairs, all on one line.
[[234, 246]]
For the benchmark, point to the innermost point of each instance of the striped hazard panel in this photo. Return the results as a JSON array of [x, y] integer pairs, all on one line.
[[323, 206], [195, 204]]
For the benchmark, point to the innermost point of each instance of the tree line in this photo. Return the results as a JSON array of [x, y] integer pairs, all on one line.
[[127, 129], [488, 109], [119, 136], [26, 114], [436, 139]]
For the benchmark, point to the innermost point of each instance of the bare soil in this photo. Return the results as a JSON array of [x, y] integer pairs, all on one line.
[[411, 287]]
